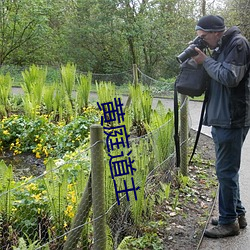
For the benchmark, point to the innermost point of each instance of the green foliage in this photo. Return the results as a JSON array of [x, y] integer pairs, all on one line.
[[23, 25], [5, 90], [142, 158], [165, 191], [106, 92], [30, 206], [103, 36], [161, 126], [48, 98], [6, 184], [56, 183], [147, 241], [34, 81], [141, 103], [43, 137], [29, 245], [68, 74], [83, 91]]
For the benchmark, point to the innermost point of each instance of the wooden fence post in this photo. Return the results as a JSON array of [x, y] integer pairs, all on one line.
[[184, 135], [135, 74], [98, 188]]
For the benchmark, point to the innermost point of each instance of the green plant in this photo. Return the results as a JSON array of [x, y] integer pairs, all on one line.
[[30, 208], [6, 196], [147, 241], [5, 90], [34, 81], [161, 129], [83, 91], [141, 156], [106, 92], [68, 74], [42, 136], [165, 190], [141, 103], [48, 98], [56, 187], [176, 199], [184, 181], [64, 183], [28, 245]]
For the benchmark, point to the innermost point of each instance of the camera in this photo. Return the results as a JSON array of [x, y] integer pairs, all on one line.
[[190, 51]]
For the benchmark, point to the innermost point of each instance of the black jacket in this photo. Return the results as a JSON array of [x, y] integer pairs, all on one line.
[[229, 90]]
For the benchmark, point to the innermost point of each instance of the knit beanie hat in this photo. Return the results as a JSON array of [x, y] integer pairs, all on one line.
[[210, 23]]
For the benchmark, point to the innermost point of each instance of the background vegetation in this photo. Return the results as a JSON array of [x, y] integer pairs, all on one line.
[[103, 36]]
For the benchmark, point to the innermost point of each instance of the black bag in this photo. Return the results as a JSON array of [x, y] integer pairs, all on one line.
[[192, 80]]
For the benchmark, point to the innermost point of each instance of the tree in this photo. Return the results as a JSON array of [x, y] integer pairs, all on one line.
[[237, 13], [20, 22]]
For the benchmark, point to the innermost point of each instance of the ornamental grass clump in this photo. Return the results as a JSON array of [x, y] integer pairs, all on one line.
[[33, 85], [5, 91], [83, 91]]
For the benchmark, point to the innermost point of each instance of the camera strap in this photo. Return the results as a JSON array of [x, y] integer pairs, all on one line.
[[199, 127]]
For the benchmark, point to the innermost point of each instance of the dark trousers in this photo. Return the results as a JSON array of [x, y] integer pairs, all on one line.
[[228, 145]]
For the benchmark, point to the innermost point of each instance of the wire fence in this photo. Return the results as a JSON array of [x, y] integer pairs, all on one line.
[[57, 209]]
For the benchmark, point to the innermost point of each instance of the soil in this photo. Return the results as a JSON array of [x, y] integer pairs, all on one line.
[[188, 221], [25, 164]]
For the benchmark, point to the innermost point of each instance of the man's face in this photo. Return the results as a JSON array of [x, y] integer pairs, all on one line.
[[211, 38]]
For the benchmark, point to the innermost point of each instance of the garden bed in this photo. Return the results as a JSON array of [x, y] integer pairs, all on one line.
[[186, 224]]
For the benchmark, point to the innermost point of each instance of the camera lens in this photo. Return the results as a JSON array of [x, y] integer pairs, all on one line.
[[187, 53], [190, 51]]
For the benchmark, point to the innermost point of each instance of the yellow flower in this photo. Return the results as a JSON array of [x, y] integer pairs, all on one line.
[[38, 155], [69, 211], [14, 209], [6, 132], [45, 151], [31, 187], [73, 199], [37, 196]]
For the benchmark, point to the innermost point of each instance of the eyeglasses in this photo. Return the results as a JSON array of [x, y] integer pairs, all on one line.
[[203, 36]]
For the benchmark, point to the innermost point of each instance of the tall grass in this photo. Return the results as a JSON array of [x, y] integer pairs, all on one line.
[[106, 91], [68, 74], [161, 127], [6, 197], [33, 86], [83, 91], [141, 103], [5, 90]]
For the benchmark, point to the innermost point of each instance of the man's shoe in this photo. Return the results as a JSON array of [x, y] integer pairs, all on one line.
[[221, 231], [241, 219]]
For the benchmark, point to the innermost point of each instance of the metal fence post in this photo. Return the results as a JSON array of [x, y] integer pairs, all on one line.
[[98, 188], [184, 135]]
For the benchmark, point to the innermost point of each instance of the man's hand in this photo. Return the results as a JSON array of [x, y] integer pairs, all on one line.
[[200, 58]]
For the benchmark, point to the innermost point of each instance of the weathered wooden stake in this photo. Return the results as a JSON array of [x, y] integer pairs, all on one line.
[[98, 188], [184, 135]]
